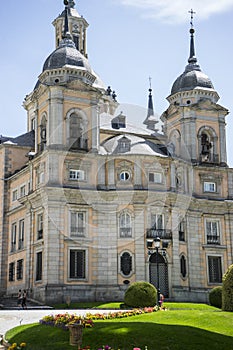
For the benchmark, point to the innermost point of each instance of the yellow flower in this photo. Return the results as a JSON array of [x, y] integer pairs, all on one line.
[[23, 345]]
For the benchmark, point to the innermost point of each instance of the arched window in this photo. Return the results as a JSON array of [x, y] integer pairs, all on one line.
[[183, 266], [207, 144], [126, 263], [125, 225], [43, 133], [77, 133]]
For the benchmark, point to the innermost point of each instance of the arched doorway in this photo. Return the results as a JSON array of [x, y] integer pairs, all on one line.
[[163, 273]]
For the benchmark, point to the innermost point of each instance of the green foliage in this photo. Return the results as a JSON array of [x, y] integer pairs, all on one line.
[[227, 290], [215, 297], [141, 294], [204, 329]]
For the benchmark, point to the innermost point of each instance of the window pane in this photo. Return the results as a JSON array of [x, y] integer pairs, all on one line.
[[77, 264], [215, 269], [39, 266], [126, 263], [183, 266]]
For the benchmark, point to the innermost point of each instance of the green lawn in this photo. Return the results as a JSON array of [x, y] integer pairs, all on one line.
[[181, 327]]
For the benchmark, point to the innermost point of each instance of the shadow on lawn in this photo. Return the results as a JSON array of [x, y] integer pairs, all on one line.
[[125, 336]]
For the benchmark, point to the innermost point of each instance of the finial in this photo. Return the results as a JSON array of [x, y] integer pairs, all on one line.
[[150, 101], [192, 13], [192, 58], [66, 33]]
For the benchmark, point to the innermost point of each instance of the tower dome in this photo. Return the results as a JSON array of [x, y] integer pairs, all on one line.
[[66, 54], [192, 77]]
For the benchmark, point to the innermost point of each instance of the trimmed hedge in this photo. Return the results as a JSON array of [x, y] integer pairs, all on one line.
[[141, 294], [227, 290], [215, 297]]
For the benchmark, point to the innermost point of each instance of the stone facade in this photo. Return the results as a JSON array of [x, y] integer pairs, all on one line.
[[81, 212]]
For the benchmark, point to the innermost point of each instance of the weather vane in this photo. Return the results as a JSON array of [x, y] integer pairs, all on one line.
[[192, 13]]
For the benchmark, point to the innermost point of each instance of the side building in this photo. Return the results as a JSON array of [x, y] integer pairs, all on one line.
[[85, 195]]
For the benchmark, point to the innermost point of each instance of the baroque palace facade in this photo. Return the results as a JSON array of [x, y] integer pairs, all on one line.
[[84, 194]]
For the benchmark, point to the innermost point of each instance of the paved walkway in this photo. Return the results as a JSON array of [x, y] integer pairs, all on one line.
[[13, 318]]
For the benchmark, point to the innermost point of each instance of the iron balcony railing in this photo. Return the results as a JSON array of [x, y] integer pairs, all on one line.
[[161, 233], [213, 239]]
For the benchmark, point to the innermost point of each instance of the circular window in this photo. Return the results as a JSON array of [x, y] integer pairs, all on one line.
[[124, 176]]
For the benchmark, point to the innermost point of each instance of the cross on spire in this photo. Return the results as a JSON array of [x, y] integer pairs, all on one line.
[[192, 13]]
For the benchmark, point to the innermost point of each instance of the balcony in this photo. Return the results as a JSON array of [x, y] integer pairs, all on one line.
[[125, 232], [213, 239], [79, 143], [77, 232], [161, 233]]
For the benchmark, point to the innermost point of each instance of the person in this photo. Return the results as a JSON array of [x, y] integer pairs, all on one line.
[[19, 297], [161, 299], [24, 299]]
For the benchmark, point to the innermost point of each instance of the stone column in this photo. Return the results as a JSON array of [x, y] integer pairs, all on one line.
[[222, 141], [55, 118]]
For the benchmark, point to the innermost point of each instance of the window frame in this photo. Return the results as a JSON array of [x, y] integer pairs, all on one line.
[[11, 272], [81, 230], [39, 266], [125, 225], [79, 175], [207, 185], [84, 272], [131, 263], [155, 174], [21, 234], [13, 237], [213, 239], [211, 279], [19, 270], [123, 177], [40, 226]]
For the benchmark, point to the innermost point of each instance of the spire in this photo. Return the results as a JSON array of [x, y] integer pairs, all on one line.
[[150, 102], [192, 57], [66, 33], [150, 120]]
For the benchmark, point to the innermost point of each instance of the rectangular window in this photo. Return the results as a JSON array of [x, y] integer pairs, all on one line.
[[39, 266], [155, 177], [40, 226], [157, 221], [78, 264], [21, 234], [212, 232], [11, 271], [77, 221], [13, 236], [20, 269], [182, 231], [215, 269], [14, 195], [209, 187], [77, 174], [22, 191]]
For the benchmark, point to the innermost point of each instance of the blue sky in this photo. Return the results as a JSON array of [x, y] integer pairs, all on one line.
[[128, 41]]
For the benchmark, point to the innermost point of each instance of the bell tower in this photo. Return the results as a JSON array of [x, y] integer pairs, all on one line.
[[194, 122], [77, 27]]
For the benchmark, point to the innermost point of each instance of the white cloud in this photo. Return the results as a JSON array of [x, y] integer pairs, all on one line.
[[174, 11]]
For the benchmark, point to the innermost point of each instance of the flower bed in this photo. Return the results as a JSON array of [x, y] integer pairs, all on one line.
[[63, 320]]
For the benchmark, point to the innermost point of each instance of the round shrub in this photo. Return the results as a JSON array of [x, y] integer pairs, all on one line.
[[227, 290], [140, 294], [215, 297]]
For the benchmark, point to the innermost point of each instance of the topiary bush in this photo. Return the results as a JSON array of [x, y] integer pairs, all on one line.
[[227, 290], [140, 294], [215, 297]]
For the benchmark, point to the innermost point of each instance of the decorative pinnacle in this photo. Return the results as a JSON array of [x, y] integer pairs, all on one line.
[[192, 58], [66, 33]]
